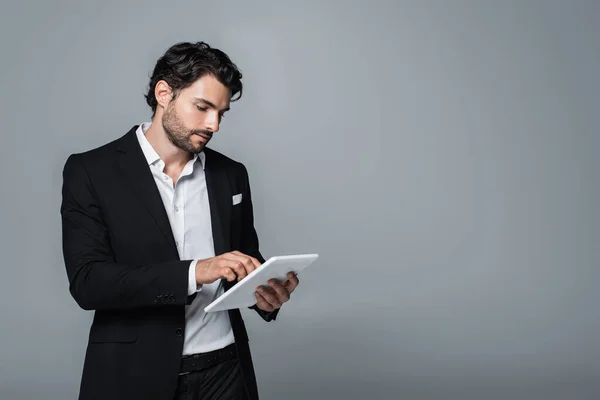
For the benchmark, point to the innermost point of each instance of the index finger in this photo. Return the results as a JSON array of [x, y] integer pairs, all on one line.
[[254, 260], [293, 279]]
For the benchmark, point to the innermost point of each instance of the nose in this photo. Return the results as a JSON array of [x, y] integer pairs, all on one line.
[[212, 122]]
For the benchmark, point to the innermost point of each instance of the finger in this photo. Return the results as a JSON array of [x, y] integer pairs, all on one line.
[[262, 303], [235, 267], [289, 287], [293, 277], [228, 261], [243, 265], [282, 293], [228, 273], [254, 261], [269, 294], [292, 281]]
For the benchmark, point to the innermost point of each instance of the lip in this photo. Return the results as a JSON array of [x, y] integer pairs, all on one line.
[[204, 137]]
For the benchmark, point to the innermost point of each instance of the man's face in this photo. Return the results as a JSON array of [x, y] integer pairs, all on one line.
[[191, 119]]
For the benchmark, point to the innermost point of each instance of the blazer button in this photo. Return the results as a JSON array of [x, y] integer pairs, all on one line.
[[179, 332], [172, 298]]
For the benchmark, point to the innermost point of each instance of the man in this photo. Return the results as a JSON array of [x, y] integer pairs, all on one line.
[[155, 227]]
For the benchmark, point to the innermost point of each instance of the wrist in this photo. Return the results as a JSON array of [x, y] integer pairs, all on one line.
[[200, 272]]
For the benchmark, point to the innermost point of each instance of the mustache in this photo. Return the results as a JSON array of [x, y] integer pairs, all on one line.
[[202, 132]]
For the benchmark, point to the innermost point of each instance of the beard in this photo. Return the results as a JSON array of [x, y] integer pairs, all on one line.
[[179, 135]]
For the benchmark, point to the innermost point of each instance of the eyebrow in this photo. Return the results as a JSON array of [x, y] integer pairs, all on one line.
[[210, 103]]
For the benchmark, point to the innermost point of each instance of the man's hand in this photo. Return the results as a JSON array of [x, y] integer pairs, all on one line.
[[231, 266], [272, 297]]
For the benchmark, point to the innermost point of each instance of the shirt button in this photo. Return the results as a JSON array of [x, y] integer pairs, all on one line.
[[176, 209]]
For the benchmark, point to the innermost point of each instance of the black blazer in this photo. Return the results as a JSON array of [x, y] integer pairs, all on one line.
[[122, 262]]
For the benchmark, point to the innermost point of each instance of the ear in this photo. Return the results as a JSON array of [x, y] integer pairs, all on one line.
[[163, 93]]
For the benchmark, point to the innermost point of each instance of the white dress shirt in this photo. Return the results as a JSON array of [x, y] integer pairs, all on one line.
[[188, 210]]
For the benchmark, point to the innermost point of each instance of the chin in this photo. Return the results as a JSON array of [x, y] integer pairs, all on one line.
[[202, 145], [196, 146]]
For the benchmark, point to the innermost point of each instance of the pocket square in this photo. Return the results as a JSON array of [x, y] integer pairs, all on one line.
[[237, 199]]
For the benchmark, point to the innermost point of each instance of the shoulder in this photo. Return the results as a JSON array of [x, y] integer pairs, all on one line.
[[220, 160], [100, 152], [97, 154], [218, 157], [99, 157], [234, 169]]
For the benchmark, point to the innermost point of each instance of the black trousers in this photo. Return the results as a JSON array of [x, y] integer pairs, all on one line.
[[223, 381]]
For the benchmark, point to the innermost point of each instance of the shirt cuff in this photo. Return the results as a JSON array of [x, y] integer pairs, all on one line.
[[193, 287]]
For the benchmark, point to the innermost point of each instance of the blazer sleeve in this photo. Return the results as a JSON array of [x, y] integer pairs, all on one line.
[[96, 281], [250, 242]]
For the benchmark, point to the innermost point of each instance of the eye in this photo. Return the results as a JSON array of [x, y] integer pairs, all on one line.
[[201, 108]]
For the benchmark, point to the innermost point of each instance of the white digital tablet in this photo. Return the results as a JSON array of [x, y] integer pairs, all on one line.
[[242, 294]]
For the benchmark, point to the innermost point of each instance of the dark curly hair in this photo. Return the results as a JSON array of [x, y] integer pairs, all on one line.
[[184, 63]]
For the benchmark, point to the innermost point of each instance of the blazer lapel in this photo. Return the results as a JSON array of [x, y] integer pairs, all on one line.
[[219, 198], [135, 168]]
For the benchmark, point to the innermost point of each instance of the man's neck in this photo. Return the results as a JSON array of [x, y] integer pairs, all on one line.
[[171, 155]]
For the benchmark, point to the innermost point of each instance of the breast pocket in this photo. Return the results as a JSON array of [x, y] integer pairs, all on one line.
[[236, 207], [236, 199], [236, 222]]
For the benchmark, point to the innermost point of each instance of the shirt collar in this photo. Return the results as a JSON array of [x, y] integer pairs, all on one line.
[[151, 154]]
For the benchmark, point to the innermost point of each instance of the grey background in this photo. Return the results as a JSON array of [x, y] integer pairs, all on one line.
[[440, 156]]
